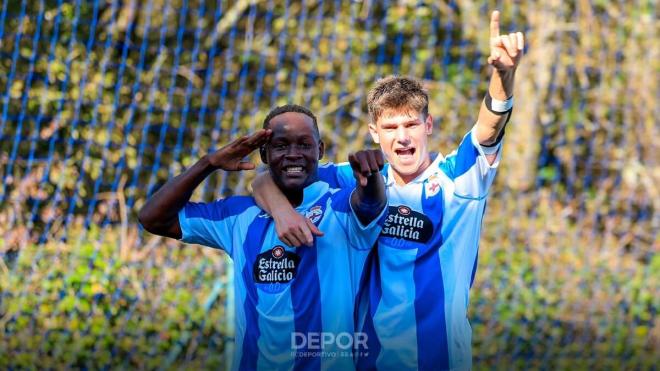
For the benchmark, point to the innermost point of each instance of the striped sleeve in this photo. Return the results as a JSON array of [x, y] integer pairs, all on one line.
[[360, 237], [469, 169], [211, 224]]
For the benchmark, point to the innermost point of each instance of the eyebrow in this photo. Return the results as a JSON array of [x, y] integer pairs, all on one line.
[[415, 121]]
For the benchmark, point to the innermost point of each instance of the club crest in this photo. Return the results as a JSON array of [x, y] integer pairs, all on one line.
[[432, 188], [314, 214]]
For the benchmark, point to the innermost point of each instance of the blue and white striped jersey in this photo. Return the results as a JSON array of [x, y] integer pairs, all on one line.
[[414, 298], [294, 306]]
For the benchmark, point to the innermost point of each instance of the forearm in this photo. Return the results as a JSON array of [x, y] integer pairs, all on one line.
[[369, 201], [489, 124], [268, 196], [292, 228], [160, 214]]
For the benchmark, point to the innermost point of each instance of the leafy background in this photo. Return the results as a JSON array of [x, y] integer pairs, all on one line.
[[103, 101]]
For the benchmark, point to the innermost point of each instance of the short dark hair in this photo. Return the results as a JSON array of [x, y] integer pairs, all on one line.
[[397, 93], [291, 108]]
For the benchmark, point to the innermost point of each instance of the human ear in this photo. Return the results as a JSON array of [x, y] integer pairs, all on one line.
[[321, 149], [428, 123], [374, 133]]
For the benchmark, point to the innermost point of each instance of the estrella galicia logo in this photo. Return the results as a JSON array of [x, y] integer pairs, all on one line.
[[275, 266], [403, 222]]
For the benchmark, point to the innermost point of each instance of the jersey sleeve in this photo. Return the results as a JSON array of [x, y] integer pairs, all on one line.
[[359, 236], [337, 175], [469, 169], [208, 224]]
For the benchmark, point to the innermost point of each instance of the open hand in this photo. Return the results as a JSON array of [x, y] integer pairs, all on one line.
[[231, 157], [366, 163], [505, 50]]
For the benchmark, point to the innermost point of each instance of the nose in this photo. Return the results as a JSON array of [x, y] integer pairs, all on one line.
[[293, 151], [402, 135]]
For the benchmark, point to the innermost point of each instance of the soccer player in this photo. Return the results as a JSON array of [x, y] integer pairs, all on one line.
[[294, 306], [414, 297]]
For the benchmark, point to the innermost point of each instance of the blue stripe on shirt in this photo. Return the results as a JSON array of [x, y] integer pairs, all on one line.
[[255, 236], [432, 344], [465, 158], [341, 202], [369, 296], [219, 209], [328, 173], [432, 347], [306, 300]]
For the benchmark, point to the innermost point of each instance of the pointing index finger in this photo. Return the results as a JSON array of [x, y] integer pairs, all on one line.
[[495, 24]]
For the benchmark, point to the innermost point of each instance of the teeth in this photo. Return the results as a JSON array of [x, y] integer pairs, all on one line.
[[294, 169]]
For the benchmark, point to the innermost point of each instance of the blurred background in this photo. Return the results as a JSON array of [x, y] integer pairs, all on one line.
[[102, 101]]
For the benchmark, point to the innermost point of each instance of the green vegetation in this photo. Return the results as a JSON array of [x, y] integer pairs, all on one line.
[[99, 303], [103, 302]]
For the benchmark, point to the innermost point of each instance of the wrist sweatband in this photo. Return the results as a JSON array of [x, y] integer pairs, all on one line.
[[498, 107]]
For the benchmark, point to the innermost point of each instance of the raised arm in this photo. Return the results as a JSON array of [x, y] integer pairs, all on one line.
[[369, 197], [160, 214], [505, 54], [292, 228]]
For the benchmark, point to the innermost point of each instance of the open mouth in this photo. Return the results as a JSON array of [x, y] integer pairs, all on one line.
[[405, 152]]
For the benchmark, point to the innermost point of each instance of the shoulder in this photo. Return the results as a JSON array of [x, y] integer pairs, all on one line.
[[330, 196], [238, 202], [340, 199], [464, 158], [334, 165], [219, 209]]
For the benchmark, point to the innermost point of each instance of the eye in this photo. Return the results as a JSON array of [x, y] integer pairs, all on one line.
[[279, 146], [305, 146]]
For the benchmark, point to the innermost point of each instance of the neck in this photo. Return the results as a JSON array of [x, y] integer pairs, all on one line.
[[403, 179], [295, 197]]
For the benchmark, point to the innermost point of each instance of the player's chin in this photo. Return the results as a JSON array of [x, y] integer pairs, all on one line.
[[294, 182], [405, 168]]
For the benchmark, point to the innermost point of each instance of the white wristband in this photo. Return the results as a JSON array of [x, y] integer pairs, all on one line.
[[501, 105], [496, 106]]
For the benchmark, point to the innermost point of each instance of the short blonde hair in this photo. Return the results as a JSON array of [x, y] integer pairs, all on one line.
[[399, 93]]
